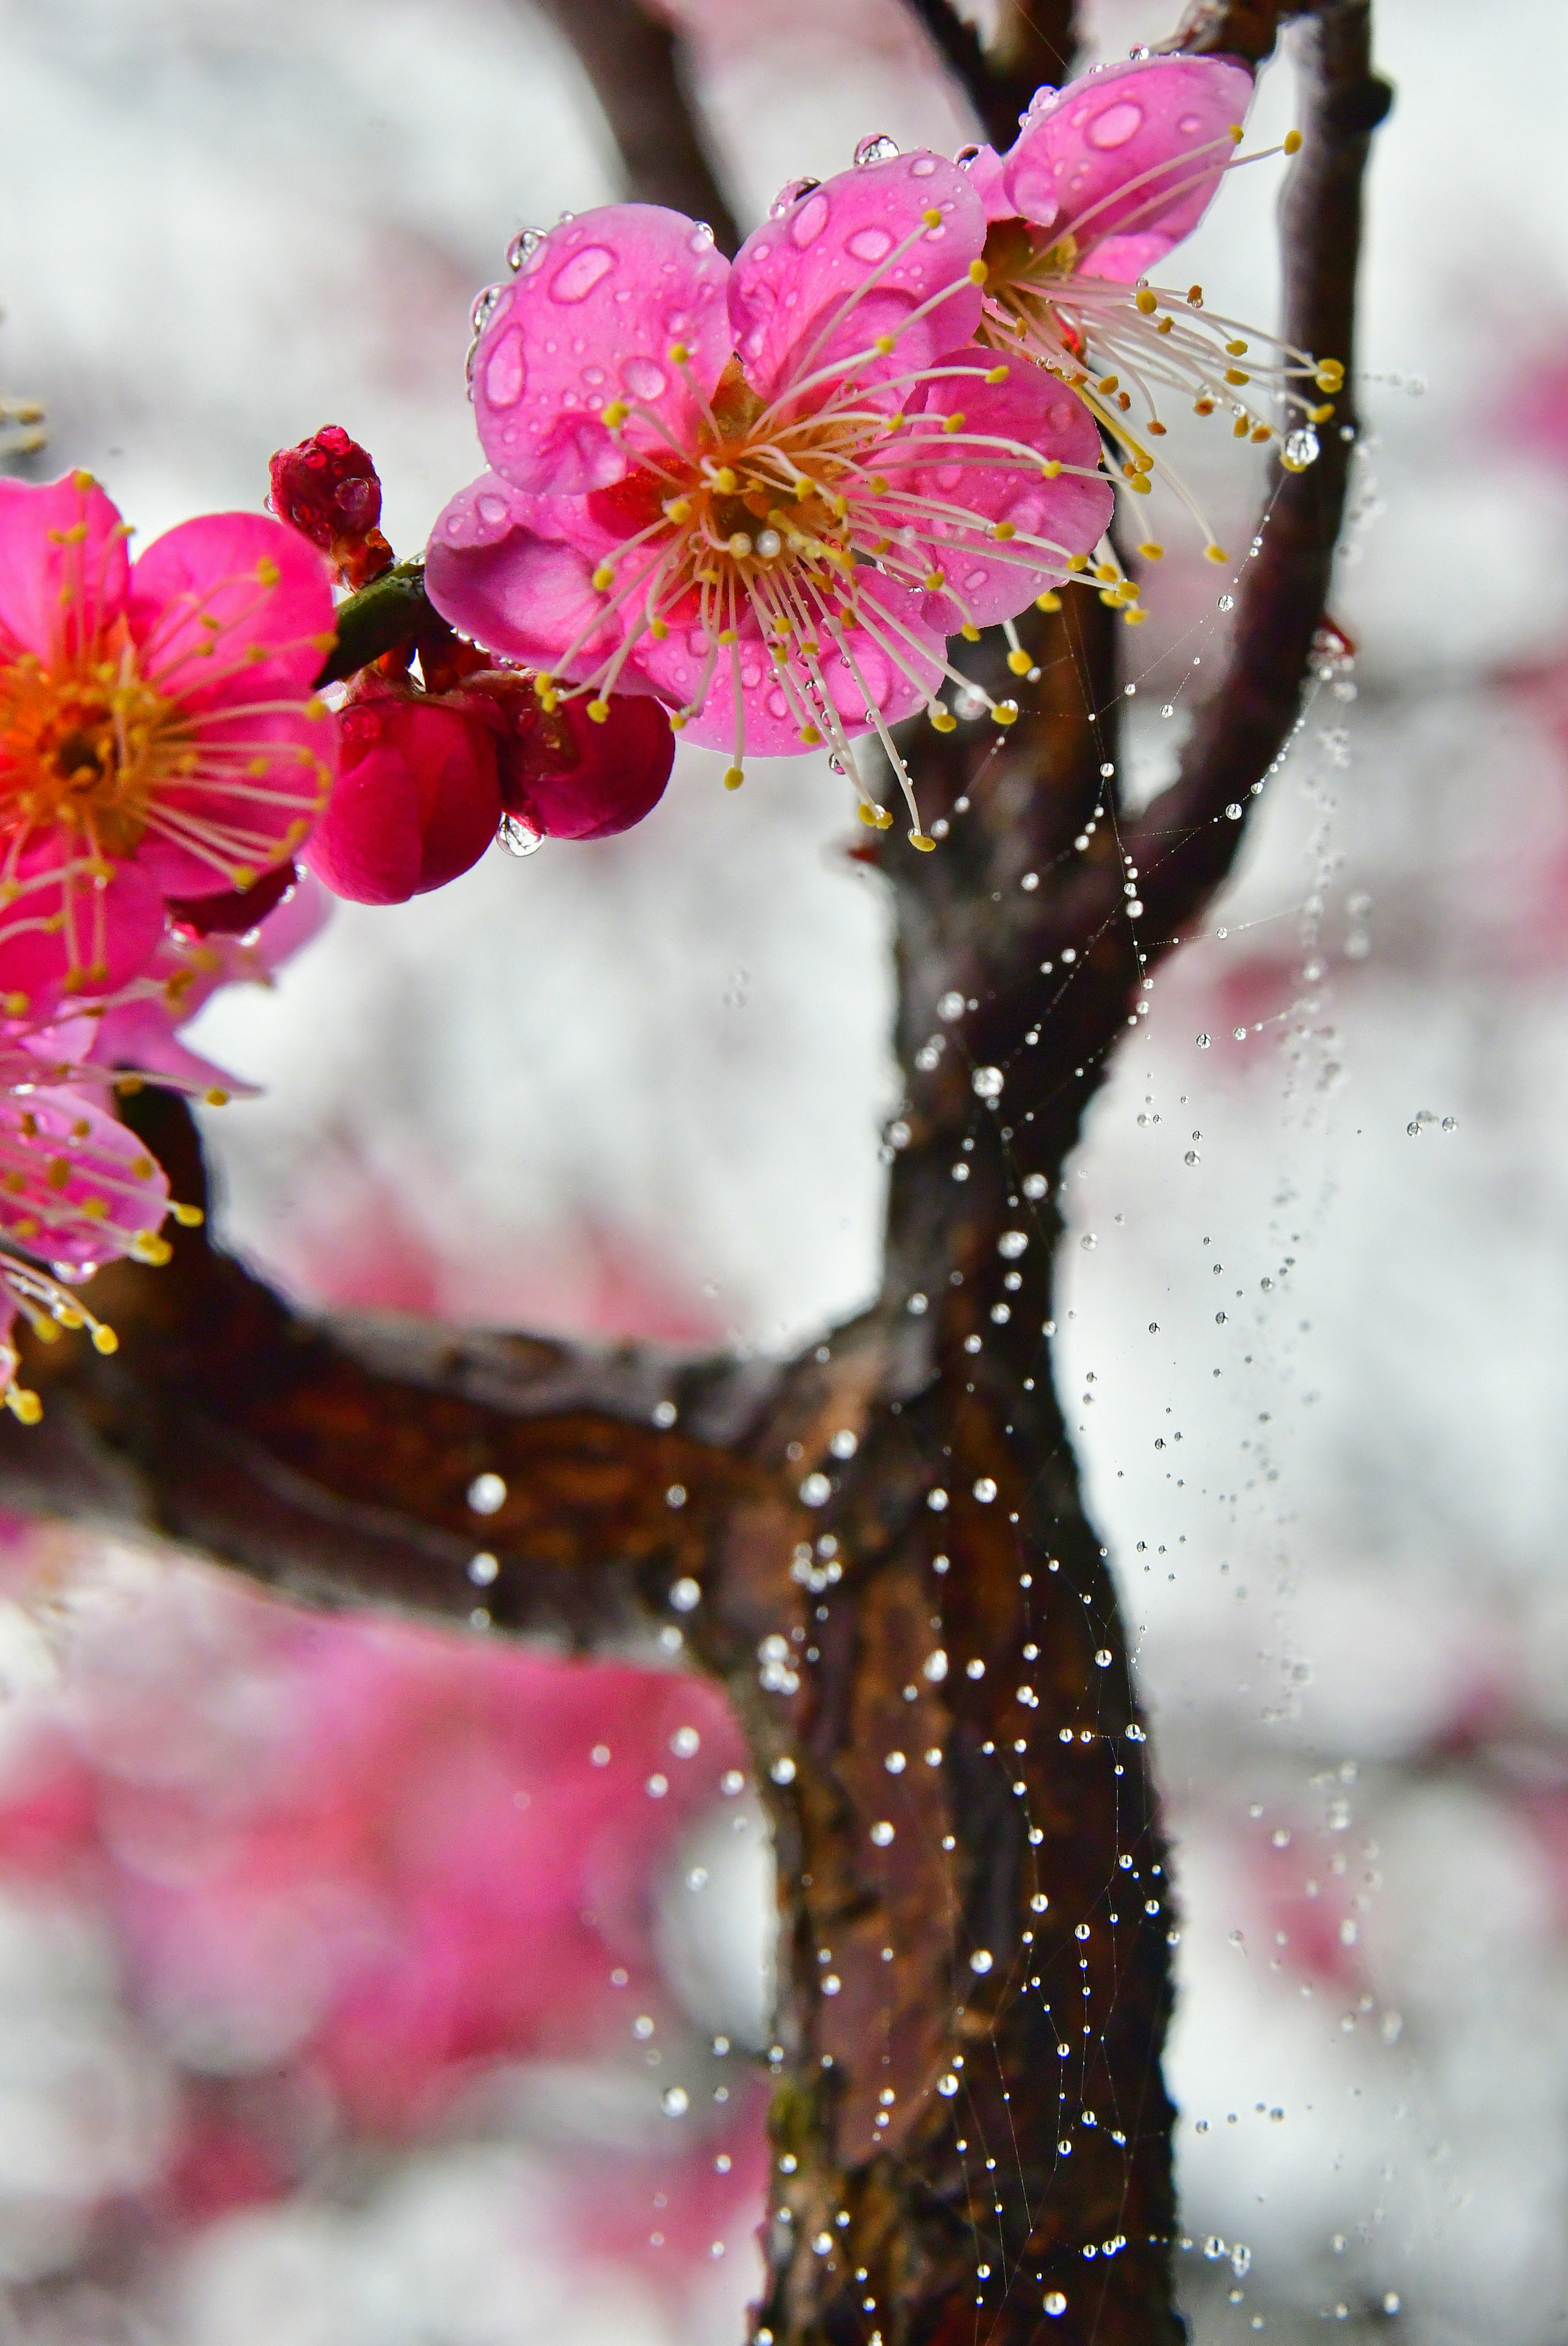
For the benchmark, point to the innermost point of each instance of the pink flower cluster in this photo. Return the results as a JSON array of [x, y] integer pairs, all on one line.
[[768, 492]]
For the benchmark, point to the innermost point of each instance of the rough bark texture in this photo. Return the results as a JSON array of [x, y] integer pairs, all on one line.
[[969, 2115]]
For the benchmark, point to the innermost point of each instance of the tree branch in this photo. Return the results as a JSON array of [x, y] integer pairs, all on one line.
[[821, 1532], [1034, 43], [634, 63]]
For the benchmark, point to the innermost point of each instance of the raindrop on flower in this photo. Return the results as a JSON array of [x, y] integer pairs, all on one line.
[[486, 1492], [947, 2085], [1056, 2303], [517, 837], [879, 148], [676, 2101], [1227, 602], [782, 1771], [987, 1082], [523, 246], [1301, 449], [686, 1595], [483, 1569], [980, 1961], [1103, 1658], [1204, 1041]]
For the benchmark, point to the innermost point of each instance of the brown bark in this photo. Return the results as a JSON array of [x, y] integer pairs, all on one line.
[[1020, 1891]]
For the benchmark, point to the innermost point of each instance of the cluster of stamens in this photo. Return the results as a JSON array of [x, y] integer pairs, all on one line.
[[1121, 348]]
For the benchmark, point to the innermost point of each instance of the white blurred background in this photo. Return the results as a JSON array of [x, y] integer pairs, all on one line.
[[1314, 1356]]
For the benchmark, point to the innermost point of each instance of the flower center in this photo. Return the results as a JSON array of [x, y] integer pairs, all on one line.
[[84, 750], [771, 541]]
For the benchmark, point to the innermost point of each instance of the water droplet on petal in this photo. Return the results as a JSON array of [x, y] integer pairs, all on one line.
[[576, 278], [644, 379], [869, 244], [1115, 126], [523, 246], [1301, 449], [879, 148], [518, 837]]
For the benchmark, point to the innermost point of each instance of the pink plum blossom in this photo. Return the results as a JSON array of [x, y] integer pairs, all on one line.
[[766, 493], [1105, 178], [160, 738]]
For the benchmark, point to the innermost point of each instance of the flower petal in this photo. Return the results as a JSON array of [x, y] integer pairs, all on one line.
[[77, 1185], [821, 282], [592, 318], [990, 579], [63, 566], [890, 661], [1129, 160], [62, 934], [231, 609]]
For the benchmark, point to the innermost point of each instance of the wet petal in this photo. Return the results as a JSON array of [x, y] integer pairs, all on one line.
[[819, 283], [62, 932], [591, 320], [416, 802], [513, 573], [77, 1185], [1129, 160], [63, 566], [994, 579]]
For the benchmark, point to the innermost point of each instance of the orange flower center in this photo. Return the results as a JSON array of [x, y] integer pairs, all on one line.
[[85, 751]]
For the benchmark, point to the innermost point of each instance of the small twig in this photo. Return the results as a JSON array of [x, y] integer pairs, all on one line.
[[634, 63]]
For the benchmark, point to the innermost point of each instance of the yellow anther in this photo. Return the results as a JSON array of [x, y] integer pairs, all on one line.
[[1236, 350], [969, 632], [1107, 383], [604, 579], [1004, 712], [95, 1208], [1291, 142], [1237, 374], [1330, 375], [811, 736], [978, 272], [878, 485], [1004, 530], [868, 814], [598, 712], [1151, 552], [678, 509], [1146, 300], [678, 355], [216, 1097], [884, 821], [148, 1247], [1261, 432], [1020, 661], [1216, 554], [1155, 429], [942, 717], [1164, 326], [1195, 295], [733, 778], [1048, 601], [933, 578], [922, 840], [1106, 570], [996, 374], [954, 422], [883, 345], [103, 1339], [1077, 562], [24, 1405], [678, 721], [58, 1172], [81, 483], [725, 482], [267, 572], [15, 1005], [1140, 487], [1320, 414], [933, 218], [542, 682], [1203, 407], [1238, 430], [1051, 470], [189, 1218], [1134, 617], [1237, 134], [658, 630]]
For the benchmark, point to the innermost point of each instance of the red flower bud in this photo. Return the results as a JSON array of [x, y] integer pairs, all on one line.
[[416, 801], [328, 487], [565, 775]]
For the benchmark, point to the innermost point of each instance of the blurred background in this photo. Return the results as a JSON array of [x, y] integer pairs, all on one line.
[[370, 1986]]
